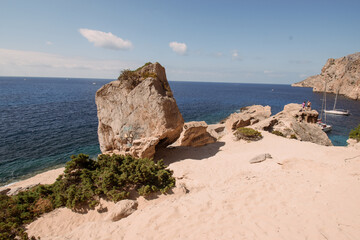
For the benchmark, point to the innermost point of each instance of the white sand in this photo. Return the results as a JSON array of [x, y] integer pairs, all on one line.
[[306, 191]]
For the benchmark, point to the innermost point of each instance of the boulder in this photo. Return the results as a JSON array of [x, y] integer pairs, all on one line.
[[294, 123], [137, 113], [194, 134], [260, 158], [247, 116], [122, 209]]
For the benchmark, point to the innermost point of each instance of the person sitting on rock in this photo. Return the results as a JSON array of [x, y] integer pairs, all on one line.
[[303, 106], [309, 105]]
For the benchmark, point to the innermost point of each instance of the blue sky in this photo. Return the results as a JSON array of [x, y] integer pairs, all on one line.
[[213, 41]]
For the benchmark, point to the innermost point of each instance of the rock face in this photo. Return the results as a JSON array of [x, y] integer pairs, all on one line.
[[247, 116], [342, 76], [194, 134], [293, 123], [137, 113]]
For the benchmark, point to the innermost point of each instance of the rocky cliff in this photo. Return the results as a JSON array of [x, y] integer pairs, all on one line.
[[342, 76], [137, 113]]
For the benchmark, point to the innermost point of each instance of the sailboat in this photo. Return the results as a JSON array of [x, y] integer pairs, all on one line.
[[337, 111], [325, 127]]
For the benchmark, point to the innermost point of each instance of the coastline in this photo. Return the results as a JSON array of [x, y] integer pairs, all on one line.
[[47, 177], [305, 190]]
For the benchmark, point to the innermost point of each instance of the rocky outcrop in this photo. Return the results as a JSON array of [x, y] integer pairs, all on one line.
[[247, 116], [342, 76], [297, 124], [137, 113], [194, 134]]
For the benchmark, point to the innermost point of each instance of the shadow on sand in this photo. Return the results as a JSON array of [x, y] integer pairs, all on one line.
[[176, 154]]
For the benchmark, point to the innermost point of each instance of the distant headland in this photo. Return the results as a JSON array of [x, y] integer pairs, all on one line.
[[342, 76]]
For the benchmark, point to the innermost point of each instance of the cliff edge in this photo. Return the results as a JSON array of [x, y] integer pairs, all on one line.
[[342, 76]]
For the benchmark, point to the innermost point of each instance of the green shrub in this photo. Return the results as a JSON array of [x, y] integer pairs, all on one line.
[[278, 133], [355, 133], [293, 136], [248, 134], [149, 74], [127, 74], [84, 181], [139, 68]]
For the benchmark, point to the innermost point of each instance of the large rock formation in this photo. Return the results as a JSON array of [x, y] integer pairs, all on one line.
[[342, 76], [137, 113], [247, 116], [294, 123]]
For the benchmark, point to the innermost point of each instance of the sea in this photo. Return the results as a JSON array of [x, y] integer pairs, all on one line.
[[43, 121]]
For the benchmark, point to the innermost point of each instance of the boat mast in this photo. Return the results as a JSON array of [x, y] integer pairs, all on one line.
[[325, 102], [322, 104], [336, 99]]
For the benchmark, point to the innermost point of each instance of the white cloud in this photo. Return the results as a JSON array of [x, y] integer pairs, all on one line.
[[235, 55], [49, 43], [268, 71], [28, 63], [105, 40], [179, 48]]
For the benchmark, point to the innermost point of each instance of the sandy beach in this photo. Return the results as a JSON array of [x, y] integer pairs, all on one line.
[[305, 191]]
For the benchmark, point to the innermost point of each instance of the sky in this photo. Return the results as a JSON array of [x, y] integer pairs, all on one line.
[[211, 41]]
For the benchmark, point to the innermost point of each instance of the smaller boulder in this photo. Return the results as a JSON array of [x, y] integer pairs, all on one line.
[[247, 116], [260, 158], [194, 134], [122, 209]]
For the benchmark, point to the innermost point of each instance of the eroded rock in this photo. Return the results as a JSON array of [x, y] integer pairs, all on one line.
[[194, 134], [137, 113], [247, 116]]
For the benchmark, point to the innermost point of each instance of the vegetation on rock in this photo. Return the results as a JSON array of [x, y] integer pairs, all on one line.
[[278, 133], [293, 136], [84, 181], [248, 134], [355, 133]]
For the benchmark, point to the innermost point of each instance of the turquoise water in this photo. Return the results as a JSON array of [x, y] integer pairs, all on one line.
[[44, 121]]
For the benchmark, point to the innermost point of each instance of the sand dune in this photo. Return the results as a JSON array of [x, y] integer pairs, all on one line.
[[306, 191]]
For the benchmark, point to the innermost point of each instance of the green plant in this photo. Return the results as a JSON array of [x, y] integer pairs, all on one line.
[[355, 133], [139, 68], [84, 181], [278, 133], [247, 134], [293, 136], [149, 74]]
